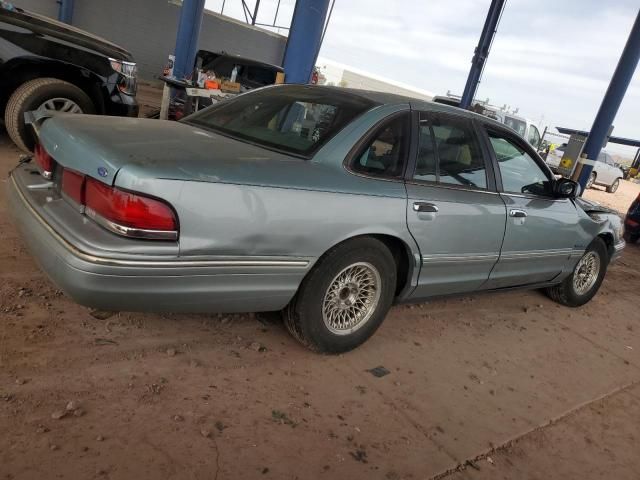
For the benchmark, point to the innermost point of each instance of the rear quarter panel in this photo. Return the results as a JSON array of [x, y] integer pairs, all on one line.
[[227, 219], [301, 208]]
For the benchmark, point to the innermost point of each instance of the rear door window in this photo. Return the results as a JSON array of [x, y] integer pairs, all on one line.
[[534, 136], [449, 152], [515, 123], [384, 154]]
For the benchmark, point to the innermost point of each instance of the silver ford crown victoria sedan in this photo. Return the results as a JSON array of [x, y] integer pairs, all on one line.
[[327, 203]]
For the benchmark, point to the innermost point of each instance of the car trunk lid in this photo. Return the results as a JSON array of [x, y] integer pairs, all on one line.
[[101, 147]]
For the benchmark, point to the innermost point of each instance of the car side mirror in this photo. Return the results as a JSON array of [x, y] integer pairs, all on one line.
[[565, 188]]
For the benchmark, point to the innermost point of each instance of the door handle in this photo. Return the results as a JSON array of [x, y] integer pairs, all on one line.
[[424, 207], [517, 213]]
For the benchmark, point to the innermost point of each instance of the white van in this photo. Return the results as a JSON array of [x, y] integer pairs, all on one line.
[[523, 126]]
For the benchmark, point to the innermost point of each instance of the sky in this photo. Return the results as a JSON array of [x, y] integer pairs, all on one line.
[[552, 59]]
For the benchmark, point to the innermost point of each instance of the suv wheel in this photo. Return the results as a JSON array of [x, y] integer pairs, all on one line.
[[592, 180], [41, 94], [614, 186], [344, 298], [586, 278]]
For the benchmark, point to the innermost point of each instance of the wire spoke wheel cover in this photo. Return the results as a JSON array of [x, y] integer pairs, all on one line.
[[586, 273], [352, 298], [60, 105]]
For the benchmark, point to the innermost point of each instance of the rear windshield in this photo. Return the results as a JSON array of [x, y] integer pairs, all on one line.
[[518, 125], [293, 120]]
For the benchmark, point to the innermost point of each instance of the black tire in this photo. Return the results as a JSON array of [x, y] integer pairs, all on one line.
[[565, 292], [592, 180], [29, 96], [304, 316], [614, 186]]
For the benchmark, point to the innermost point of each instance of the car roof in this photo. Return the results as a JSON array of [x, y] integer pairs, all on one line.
[[384, 98]]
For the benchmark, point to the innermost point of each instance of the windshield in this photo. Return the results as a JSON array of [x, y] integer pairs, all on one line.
[[518, 125], [294, 120]]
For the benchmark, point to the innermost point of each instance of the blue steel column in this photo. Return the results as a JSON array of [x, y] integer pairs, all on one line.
[[612, 100], [187, 36], [482, 52], [304, 39], [65, 12]]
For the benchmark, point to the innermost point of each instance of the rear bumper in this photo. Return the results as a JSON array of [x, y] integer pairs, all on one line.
[[177, 284]]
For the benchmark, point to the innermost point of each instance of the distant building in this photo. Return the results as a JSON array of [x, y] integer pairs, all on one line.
[[334, 73]]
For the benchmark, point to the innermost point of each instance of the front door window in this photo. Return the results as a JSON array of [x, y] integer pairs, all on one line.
[[519, 171]]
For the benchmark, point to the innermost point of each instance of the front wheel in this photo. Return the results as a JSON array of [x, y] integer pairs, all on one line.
[[43, 94], [614, 186], [586, 278], [592, 180], [345, 297]]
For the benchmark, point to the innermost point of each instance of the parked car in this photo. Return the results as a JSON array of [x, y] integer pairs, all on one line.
[[249, 73], [329, 203], [48, 65], [625, 168], [632, 222], [604, 172]]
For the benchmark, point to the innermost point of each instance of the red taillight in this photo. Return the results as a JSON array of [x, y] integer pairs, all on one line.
[[122, 212], [128, 209], [631, 223], [44, 160], [73, 185]]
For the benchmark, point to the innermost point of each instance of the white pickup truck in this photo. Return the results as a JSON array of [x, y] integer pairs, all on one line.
[[604, 171]]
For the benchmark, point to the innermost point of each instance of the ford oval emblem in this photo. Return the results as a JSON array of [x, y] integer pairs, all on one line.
[[103, 172]]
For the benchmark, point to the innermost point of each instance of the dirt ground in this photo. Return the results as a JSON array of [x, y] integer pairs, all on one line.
[[490, 386]]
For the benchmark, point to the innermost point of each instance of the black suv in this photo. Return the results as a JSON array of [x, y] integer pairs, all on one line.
[[45, 64]]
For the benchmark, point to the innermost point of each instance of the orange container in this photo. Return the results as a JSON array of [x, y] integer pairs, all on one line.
[[211, 85]]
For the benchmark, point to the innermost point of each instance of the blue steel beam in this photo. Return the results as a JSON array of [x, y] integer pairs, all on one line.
[[65, 11], [187, 37], [482, 52], [611, 101], [304, 39]]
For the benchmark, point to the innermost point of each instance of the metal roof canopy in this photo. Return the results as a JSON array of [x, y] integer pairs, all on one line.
[[630, 142], [306, 33], [610, 103]]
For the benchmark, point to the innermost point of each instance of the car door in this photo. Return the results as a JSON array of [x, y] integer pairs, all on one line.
[[613, 172], [540, 235], [454, 213], [600, 168], [533, 136]]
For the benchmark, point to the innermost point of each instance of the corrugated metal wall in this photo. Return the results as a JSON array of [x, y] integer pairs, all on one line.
[[147, 28]]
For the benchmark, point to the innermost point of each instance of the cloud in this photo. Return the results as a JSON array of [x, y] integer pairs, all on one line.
[[552, 59]]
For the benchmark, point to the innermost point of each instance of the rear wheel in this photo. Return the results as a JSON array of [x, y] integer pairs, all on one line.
[[614, 186], [592, 180], [586, 278], [45, 94], [345, 297]]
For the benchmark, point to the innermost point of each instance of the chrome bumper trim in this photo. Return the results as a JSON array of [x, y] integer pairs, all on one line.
[[130, 232], [298, 263]]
